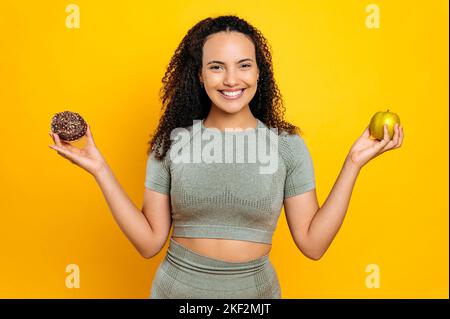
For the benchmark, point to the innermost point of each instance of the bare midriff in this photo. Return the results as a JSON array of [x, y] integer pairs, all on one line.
[[225, 249]]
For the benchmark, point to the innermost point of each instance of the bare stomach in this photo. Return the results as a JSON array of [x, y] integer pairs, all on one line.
[[225, 249]]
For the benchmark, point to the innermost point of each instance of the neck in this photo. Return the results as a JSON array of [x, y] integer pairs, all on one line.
[[222, 120]]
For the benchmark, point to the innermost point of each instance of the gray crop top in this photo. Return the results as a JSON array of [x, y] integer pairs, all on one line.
[[215, 196]]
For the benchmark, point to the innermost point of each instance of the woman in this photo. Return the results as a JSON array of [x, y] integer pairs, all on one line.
[[224, 214]]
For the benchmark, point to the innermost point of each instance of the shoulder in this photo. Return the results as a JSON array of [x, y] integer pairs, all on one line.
[[289, 143], [292, 149]]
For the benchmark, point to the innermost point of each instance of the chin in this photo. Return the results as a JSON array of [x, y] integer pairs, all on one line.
[[230, 107]]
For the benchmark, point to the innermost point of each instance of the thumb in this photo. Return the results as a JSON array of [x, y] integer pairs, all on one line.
[[381, 144], [366, 132]]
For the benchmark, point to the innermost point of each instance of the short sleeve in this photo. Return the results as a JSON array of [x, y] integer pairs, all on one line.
[[299, 166], [157, 175]]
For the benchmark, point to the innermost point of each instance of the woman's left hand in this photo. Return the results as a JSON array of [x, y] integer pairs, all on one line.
[[367, 148]]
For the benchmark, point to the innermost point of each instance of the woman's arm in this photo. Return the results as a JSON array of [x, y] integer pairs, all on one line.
[[131, 221], [328, 218], [314, 228]]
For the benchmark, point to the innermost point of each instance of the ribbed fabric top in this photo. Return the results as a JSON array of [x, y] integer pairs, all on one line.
[[218, 189]]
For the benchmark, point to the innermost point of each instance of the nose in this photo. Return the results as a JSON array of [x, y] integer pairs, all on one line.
[[230, 78]]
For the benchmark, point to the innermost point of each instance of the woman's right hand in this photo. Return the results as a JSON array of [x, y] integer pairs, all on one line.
[[89, 157]]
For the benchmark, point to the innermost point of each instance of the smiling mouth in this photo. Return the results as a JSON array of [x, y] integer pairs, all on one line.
[[233, 96]]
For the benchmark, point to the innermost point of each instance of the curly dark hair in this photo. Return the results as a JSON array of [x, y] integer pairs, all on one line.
[[185, 100]]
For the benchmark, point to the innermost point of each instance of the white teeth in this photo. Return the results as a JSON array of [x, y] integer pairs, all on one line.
[[232, 93]]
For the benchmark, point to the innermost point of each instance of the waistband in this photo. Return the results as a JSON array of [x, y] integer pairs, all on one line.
[[182, 256]]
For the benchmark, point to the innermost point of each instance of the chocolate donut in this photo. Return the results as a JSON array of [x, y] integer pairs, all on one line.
[[69, 126]]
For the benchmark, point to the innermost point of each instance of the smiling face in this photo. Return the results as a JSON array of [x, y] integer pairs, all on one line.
[[229, 65]]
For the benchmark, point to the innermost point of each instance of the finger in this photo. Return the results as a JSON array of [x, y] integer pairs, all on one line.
[[386, 133], [366, 132], [52, 135], [88, 131], [396, 135], [400, 140], [369, 135], [383, 144], [90, 137], [57, 140], [63, 143], [391, 142]]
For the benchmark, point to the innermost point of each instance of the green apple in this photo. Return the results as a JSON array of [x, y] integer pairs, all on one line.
[[377, 122]]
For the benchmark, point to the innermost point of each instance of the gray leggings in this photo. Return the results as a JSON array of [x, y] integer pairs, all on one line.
[[185, 274]]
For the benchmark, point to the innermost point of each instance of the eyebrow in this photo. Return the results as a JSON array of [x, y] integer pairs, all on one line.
[[220, 62]]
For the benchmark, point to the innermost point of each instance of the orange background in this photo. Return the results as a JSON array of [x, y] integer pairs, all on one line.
[[334, 74]]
